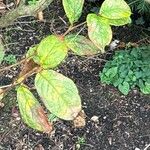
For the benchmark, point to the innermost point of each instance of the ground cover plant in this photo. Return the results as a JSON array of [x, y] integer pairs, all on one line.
[[128, 69], [113, 121]]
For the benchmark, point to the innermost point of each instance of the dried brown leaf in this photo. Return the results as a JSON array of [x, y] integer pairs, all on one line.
[[40, 16], [17, 2], [44, 120], [79, 121]]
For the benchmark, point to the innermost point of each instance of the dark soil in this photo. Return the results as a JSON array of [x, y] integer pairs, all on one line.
[[123, 121]]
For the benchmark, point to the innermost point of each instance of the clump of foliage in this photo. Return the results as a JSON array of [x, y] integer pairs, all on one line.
[[128, 69], [141, 6], [59, 93], [10, 59]]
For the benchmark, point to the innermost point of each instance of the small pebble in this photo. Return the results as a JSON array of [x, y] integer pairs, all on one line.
[[95, 118], [104, 117], [91, 90], [137, 148], [114, 44], [18, 118]]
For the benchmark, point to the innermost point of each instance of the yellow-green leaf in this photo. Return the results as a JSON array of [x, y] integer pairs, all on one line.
[[31, 52], [80, 45], [146, 88], [99, 31], [73, 9], [31, 111], [124, 88], [50, 52], [115, 9], [59, 94], [119, 22]]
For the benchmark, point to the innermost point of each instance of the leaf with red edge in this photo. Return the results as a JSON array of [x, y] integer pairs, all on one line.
[[31, 111]]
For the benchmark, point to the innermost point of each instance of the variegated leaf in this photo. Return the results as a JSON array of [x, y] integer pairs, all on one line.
[[59, 94]]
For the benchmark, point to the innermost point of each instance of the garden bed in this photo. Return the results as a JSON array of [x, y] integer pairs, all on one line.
[[113, 121]]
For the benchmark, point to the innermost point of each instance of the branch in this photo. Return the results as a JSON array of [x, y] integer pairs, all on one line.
[[23, 10], [73, 27]]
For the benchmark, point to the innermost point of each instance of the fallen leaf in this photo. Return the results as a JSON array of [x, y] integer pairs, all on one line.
[[79, 121], [1, 105], [39, 147], [2, 5], [17, 2], [40, 16]]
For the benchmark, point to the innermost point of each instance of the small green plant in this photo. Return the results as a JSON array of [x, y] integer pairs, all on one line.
[[128, 69], [59, 93], [32, 2], [80, 141], [10, 59]]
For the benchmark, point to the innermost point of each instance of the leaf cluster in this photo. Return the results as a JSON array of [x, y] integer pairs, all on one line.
[[128, 69], [58, 93], [111, 13]]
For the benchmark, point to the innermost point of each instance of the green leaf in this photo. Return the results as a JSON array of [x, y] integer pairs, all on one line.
[[104, 78], [99, 31], [124, 88], [124, 73], [115, 9], [59, 94], [50, 52], [119, 22], [2, 53], [117, 81], [73, 9], [31, 52], [31, 111], [146, 88], [138, 74], [52, 118], [111, 73], [81, 45]]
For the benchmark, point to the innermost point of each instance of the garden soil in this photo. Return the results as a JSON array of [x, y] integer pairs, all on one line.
[[113, 121]]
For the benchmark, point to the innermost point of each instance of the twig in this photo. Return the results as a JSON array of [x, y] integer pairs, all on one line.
[[146, 148], [5, 86], [23, 10], [16, 82], [73, 27], [16, 64]]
